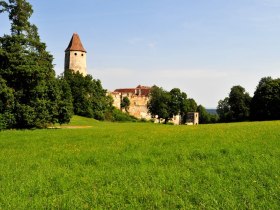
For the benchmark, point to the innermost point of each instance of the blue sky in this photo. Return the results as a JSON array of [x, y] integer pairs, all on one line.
[[202, 47]]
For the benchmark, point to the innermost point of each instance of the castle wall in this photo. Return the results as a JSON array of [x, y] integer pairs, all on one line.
[[138, 105], [116, 99]]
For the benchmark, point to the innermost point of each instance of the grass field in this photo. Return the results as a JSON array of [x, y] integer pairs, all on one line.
[[141, 166]]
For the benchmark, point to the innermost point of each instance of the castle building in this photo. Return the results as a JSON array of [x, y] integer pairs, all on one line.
[[75, 59], [138, 98], [76, 56]]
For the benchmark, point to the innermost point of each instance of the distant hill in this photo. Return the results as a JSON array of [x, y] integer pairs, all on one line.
[[212, 111]]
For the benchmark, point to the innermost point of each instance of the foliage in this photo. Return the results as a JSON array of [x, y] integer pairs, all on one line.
[[165, 105], [205, 117], [266, 101], [65, 110], [7, 105], [89, 97], [223, 110], [239, 103], [158, 103], [235, 107], [27, 69], [142, 166], [125, 103], [119, 116]]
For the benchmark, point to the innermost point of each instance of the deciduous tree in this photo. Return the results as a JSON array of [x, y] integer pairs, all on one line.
[[266, 100]]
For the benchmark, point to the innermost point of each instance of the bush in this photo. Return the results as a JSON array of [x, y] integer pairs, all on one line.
[[120, 116]]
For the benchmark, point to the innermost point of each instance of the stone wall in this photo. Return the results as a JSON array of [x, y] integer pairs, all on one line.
[[76, 60]]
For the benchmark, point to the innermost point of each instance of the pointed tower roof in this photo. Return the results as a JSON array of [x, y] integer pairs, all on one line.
[[75, 44]]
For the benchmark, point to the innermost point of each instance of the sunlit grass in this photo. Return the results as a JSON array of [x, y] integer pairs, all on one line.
[[141, 166]]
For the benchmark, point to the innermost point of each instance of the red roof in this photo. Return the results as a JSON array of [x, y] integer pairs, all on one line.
[[139, 90], [75, 44]]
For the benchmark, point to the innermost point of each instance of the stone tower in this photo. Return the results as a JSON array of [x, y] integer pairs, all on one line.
[[76, 56]]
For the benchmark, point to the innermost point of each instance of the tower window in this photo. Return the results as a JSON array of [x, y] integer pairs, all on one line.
[[82, 54], [75, 53]]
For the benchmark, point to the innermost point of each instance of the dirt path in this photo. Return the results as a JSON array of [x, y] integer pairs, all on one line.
[[71, 127]]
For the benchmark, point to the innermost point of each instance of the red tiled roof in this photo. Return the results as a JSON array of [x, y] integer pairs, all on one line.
[[139, 90], [75, 44]]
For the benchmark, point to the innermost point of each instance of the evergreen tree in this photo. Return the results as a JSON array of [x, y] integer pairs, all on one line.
[[7, 104], [27, 68]]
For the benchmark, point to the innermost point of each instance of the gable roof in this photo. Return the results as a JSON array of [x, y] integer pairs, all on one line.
[[75, 44]]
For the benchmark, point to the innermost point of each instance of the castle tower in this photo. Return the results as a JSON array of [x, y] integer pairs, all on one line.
[[76, 56]]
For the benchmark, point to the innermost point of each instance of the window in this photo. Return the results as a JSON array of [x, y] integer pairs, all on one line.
[[75, 53], [82, 54]]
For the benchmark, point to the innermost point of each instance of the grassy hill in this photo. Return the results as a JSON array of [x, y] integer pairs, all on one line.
[[141, 166]]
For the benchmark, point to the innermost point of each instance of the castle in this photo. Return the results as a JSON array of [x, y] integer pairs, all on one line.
[[138, 98], [76, 56], [75, 59]]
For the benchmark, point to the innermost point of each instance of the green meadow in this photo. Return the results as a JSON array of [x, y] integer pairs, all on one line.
[[141, 166]]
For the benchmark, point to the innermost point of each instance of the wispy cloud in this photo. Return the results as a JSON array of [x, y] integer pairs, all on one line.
[[152, 45]]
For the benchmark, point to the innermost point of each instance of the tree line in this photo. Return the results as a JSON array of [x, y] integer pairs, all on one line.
[[240, 106], [164, 105], [32, 96]]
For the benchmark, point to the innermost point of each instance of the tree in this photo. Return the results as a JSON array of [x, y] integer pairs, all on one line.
[[27, 68], [165, 105], [65, 110], [192, 105], [235, 107], [89, 98], [224, 111], [125, 103], [184, 107], [204, 116], [175, 102], [239, 102], [7, 105], [158, 104], [265, 104]]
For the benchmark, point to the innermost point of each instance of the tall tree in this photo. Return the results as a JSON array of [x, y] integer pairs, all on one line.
[[223, 110], [239, 102], [175, 102], [265, 104], [204, 116], [89, 97], [7, 104], [27, 68], [235, 107], [158, 104]]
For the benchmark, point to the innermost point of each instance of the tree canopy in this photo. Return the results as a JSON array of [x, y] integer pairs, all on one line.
[[166, 104], [266, 101], [89, 97], [235, 107], [26, 69]]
